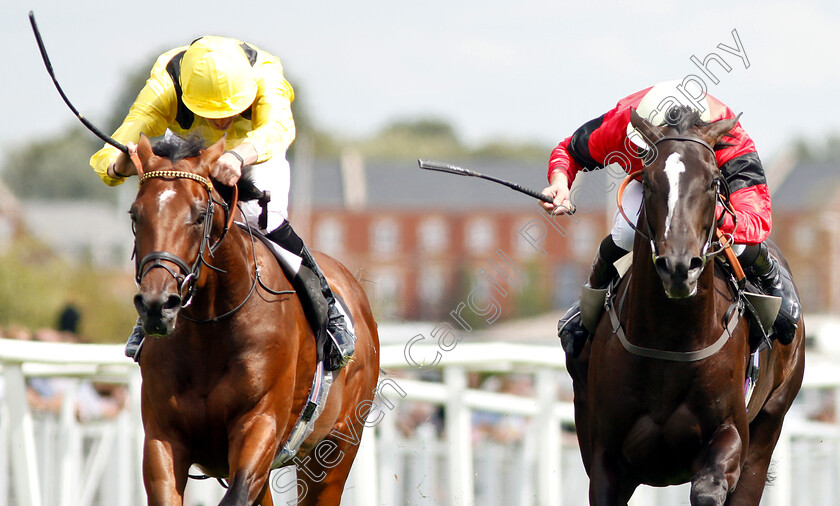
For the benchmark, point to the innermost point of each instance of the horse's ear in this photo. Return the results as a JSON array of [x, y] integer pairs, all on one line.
[[649, 131], [144, 150], [211, 154], [713, 133]]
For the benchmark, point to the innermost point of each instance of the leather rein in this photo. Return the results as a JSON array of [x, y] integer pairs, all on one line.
[[724, 243], [187, 275], [711, 248]]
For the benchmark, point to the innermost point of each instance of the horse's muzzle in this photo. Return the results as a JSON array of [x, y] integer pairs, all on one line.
[[679, 274], [157, 312]]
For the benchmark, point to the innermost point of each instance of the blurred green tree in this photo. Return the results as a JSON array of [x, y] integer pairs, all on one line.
[[824, 150], [56, 168]]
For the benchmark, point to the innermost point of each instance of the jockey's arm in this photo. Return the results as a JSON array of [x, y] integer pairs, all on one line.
[[273, 127], [151, 113], [228, 168], [558, 189], [753, 211]]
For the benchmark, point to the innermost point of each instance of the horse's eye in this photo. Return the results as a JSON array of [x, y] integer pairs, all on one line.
[[199, 220]]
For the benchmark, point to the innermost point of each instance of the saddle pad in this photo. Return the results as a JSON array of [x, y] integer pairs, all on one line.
[[288, 261], [623, 264]]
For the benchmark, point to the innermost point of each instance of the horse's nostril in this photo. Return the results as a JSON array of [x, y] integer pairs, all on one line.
[[172, 302], [139, 303], [696, 263], [662, 265]]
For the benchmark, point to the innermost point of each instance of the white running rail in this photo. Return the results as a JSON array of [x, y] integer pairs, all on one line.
[[99, 463]]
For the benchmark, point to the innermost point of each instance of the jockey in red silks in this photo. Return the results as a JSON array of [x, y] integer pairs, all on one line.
[[611, 138], [222, 87]]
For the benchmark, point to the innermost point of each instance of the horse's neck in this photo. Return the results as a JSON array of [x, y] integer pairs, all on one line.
[[649, 308], [222, 289]]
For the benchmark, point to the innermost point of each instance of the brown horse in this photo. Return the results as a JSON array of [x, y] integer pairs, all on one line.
[[231, 358], [667, 405]]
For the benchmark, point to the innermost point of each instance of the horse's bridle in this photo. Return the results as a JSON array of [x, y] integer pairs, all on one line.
[[187, 275], [721, 196]]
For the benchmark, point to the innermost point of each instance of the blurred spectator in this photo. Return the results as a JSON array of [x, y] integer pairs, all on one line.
[[68, 319], [18, 332], [410, 414], [503, 428], [46, 394]]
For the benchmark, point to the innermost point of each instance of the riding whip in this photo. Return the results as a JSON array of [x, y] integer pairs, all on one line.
[[460, 171], [90, 126]]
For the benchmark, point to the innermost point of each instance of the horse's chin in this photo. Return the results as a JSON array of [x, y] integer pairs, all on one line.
[[681, 290], [158, 327]]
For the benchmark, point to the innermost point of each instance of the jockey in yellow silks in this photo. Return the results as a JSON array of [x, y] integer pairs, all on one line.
[[215, 87]]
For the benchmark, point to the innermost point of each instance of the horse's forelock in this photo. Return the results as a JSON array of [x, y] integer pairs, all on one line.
[[683, 118], [177, 148]]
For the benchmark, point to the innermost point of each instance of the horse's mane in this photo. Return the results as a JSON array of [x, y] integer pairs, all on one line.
[[177, 148], [684, 117]]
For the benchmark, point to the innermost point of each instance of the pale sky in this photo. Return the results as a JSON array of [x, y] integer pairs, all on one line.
[[524, 70]]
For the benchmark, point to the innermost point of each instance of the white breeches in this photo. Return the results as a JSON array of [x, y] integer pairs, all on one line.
[[272, 176], [622, 233]]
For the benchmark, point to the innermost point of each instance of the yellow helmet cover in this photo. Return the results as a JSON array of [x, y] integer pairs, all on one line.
[[216, 78]]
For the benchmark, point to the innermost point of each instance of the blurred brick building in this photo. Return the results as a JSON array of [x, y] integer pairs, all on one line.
[[426, 242], [806, 226]]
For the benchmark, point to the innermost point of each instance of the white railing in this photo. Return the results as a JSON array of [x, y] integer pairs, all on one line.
[[58, 460]]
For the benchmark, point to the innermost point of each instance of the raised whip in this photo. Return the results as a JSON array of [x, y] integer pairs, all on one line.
[[90, 126], [460, 171]]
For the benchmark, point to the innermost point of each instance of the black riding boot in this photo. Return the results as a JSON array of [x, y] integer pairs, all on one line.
[[132, 347], [772, 278], [319, 303], [571, 330]]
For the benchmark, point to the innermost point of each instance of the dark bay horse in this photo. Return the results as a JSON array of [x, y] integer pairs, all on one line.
[[668, 405], [231, 357]]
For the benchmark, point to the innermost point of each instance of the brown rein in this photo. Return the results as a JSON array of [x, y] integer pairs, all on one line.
[[187, 280]]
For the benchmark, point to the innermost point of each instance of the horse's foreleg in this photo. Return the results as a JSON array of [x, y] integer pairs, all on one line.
[[765, 430], [721, 471], [251, 451], [267, 500], [165, 468], [764, 433], [578, 369], [608, 484]]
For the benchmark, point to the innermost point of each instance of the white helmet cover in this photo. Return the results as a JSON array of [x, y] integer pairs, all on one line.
[[662, 97]]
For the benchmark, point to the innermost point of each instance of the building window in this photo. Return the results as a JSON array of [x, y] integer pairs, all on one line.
[[385, 237], [431, 285], [568, 279], [480, 235], [329, 236], [433, 235], [386, 292], [804, 236], [583, 242], [528, 237]]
